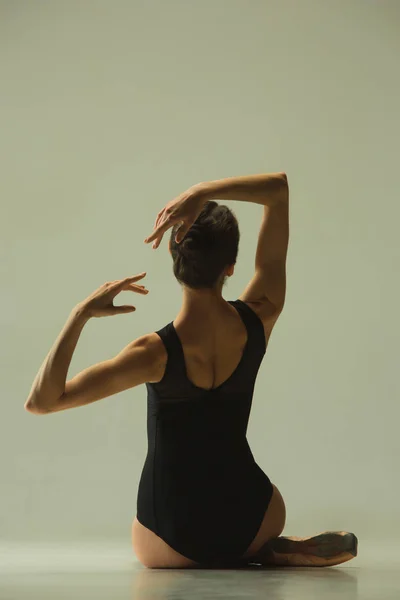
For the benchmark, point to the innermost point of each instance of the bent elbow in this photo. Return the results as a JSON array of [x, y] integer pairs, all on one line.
[[35, 409], [285, 183]]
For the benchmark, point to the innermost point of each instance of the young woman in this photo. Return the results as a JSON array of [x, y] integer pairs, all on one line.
[[203, 501]]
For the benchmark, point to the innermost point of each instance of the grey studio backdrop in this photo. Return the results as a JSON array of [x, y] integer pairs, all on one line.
[[111, 109]]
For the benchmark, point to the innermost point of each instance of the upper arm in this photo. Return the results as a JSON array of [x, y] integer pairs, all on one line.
[[135, 364], [267, 288]]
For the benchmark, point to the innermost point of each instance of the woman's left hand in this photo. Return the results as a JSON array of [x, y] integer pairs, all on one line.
[[100, 303]]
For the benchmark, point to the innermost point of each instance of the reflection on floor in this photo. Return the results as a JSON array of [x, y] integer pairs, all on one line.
[[110, 571]]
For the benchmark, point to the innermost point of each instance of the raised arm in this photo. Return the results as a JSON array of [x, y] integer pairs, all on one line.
[[265, 293], [267, 288]]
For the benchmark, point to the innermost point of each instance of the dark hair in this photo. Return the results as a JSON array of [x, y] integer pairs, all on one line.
[[210, 245]]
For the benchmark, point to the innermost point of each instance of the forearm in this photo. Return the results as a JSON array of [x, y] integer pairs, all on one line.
[[49, 383], [262, 189]]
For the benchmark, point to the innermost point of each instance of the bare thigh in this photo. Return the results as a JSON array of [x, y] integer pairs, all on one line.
[[154, 553], [272, 524]]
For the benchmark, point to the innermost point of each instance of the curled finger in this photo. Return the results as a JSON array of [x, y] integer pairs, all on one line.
[[161, 229], [156, 222]]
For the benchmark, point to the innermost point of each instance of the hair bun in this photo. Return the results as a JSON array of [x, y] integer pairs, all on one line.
[[186, 245], [208, 246]]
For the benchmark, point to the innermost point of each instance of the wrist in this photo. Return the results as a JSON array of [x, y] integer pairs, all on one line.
[[204, 190], [81, 313]]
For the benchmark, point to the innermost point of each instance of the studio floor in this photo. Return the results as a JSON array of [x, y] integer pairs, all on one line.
[[110, 571]]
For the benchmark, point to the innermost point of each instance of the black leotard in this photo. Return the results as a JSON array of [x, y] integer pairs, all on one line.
[[201, 490]]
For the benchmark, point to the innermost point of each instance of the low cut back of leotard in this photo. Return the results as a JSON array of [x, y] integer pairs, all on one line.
[[201, 490]]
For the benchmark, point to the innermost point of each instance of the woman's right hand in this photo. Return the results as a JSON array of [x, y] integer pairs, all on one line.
[[184, 208]]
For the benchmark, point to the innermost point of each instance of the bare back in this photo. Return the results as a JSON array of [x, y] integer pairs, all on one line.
[[213, 344], [212, 348]]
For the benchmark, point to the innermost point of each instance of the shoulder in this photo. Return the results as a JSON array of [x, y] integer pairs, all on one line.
[[155, 352], [266, 312]]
